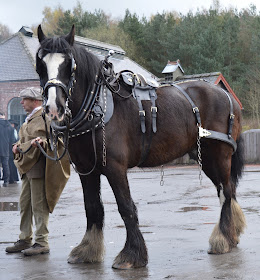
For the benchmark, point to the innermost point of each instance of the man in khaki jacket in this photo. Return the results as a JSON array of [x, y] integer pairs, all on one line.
[[42, 179]]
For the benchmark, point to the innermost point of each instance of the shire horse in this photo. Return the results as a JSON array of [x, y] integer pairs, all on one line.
[[69, 73]]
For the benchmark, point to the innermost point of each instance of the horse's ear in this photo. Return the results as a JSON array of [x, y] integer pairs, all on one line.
[[70, 37], [41, 35]]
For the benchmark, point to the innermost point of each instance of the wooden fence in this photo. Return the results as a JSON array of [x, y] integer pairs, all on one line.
[[252, 149], [252, 145]]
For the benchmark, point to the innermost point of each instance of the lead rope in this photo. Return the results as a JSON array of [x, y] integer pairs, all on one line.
[[199, 158]]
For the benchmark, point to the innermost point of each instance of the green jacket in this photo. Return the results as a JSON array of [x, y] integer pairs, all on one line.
[[56, 173]]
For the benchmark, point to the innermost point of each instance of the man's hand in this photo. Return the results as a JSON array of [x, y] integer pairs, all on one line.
[[37, 139], [14, 149]]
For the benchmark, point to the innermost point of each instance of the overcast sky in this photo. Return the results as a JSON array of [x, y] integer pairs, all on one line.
[[16, 13]]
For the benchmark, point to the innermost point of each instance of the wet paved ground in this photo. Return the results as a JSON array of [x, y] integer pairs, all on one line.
[[176, 220]]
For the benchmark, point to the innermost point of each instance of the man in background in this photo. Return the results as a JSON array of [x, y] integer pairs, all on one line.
[[13, 170], [6, 137]]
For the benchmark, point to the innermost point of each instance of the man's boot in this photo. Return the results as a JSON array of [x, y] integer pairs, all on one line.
[[19, 246], [36, 249]]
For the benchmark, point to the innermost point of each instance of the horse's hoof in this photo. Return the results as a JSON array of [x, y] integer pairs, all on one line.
[[125, 265], [212, 252], [74, 259], [215, 252]]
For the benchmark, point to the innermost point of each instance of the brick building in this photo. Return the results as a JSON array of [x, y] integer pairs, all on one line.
[[17, 67]]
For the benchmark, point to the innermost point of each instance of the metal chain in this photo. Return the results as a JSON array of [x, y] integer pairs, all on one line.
[[104, 161], [199, 159], [104, 150], [162, 175]]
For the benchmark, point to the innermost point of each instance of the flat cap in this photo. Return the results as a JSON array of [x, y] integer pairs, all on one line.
[[32, 93]]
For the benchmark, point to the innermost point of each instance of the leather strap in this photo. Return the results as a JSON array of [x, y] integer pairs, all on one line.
[[141, 112], [214, 134], [195, 109], [231, 115], [222, 137], [153, 110]]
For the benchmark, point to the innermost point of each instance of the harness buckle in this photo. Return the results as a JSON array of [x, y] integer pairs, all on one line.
[[142, 113], [154, 109], [203, 132], [195, 109]]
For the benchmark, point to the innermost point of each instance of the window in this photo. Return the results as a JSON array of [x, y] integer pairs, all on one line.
[[16, 111]]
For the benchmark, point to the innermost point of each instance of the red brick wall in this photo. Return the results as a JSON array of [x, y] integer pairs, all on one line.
[[9, 90]]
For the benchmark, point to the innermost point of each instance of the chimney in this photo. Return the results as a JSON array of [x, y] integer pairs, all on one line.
[[26, 31]]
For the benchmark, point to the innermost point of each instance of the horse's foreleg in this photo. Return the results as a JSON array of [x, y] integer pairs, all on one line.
[[134, 253], [91, 248]]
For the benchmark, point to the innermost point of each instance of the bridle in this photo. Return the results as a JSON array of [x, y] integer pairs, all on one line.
[[104, 77], [57, 83]]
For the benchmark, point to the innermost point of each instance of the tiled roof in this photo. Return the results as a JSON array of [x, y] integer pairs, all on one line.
[[210, 77], [15, 61], [98, 44], [17, 57], [215, 78]]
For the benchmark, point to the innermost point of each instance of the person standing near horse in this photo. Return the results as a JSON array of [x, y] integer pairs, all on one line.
[[42, 180], [6, 137], [13, 170]]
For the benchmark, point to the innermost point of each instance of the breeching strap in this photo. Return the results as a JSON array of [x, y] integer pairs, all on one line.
[[210, 133]]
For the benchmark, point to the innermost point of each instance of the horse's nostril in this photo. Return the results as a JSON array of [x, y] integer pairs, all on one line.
[[47, 109]]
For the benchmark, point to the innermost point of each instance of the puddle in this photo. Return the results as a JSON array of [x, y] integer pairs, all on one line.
[[9, 206], [192, 208]]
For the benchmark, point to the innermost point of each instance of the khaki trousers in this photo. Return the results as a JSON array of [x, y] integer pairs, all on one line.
[[33, 203]]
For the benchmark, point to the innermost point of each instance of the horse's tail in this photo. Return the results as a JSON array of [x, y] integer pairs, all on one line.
[[238, 159]]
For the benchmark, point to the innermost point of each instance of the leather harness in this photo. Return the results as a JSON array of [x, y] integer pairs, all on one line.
[[98, 105], [210, 133]]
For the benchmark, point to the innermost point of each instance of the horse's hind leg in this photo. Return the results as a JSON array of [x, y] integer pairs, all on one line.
[[225, 235], [91, 248], [134, 253]]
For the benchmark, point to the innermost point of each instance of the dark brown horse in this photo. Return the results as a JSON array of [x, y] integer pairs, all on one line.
[[120, 144]]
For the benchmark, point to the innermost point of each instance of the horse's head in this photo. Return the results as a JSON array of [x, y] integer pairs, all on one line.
[[56, 67]]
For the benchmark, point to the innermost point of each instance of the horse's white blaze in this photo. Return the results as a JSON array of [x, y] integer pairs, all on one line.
[[53, 62]]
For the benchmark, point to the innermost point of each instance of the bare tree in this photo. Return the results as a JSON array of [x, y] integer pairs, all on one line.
[[4, 32], [253, 95]]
